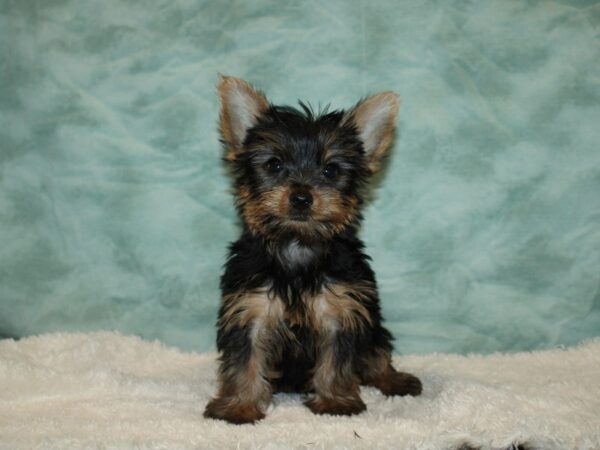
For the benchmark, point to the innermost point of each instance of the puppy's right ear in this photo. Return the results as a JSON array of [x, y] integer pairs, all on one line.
[[241, 106]]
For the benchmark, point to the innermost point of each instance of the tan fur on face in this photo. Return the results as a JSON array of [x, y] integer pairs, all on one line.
[[330, 206], [270, 203], [330, 212]]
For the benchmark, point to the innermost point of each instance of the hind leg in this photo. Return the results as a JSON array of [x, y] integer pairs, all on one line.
[[377, 371]]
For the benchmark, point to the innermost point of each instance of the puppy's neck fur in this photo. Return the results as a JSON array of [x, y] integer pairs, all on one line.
[[296, 254]]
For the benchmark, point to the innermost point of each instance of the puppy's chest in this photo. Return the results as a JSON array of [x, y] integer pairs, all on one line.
[[312, 310], [300, 295], [335, 306]]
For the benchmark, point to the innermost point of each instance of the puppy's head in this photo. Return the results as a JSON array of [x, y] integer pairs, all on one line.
[[297, 174]]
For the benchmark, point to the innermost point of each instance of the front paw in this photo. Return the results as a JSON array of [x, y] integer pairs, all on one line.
[[232, 411], [335, 406]]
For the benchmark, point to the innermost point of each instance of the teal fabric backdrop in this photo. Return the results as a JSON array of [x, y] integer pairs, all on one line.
[[114, 205]]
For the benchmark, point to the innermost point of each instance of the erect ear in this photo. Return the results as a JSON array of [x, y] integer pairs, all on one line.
[[375, 122], [241, 106]]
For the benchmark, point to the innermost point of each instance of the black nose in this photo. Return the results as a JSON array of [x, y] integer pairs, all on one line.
[[301, 200]]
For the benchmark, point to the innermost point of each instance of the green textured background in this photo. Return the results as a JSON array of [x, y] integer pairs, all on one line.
[[114, 205]]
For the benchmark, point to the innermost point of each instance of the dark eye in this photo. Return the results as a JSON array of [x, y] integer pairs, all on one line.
[[274, 165], [331, 171]]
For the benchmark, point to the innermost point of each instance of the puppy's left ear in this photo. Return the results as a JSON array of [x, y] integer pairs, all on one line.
[[375, 121], [241, 106]]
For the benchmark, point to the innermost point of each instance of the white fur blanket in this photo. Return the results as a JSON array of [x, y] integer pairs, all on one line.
[[105, 390]]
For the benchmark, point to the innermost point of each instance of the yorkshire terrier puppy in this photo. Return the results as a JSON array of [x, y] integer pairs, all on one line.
[[300, 310]]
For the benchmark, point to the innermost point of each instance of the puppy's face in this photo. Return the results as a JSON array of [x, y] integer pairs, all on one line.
[[296, 174], [299, 175]]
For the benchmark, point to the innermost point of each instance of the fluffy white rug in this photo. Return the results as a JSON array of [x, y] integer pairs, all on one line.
[[112, 391]]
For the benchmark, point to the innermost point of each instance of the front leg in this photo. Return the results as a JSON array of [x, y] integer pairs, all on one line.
[[334, 381], [244, 393], [245, 338], [340, 319]]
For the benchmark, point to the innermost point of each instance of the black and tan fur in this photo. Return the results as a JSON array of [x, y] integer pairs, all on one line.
[[300, 310]]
